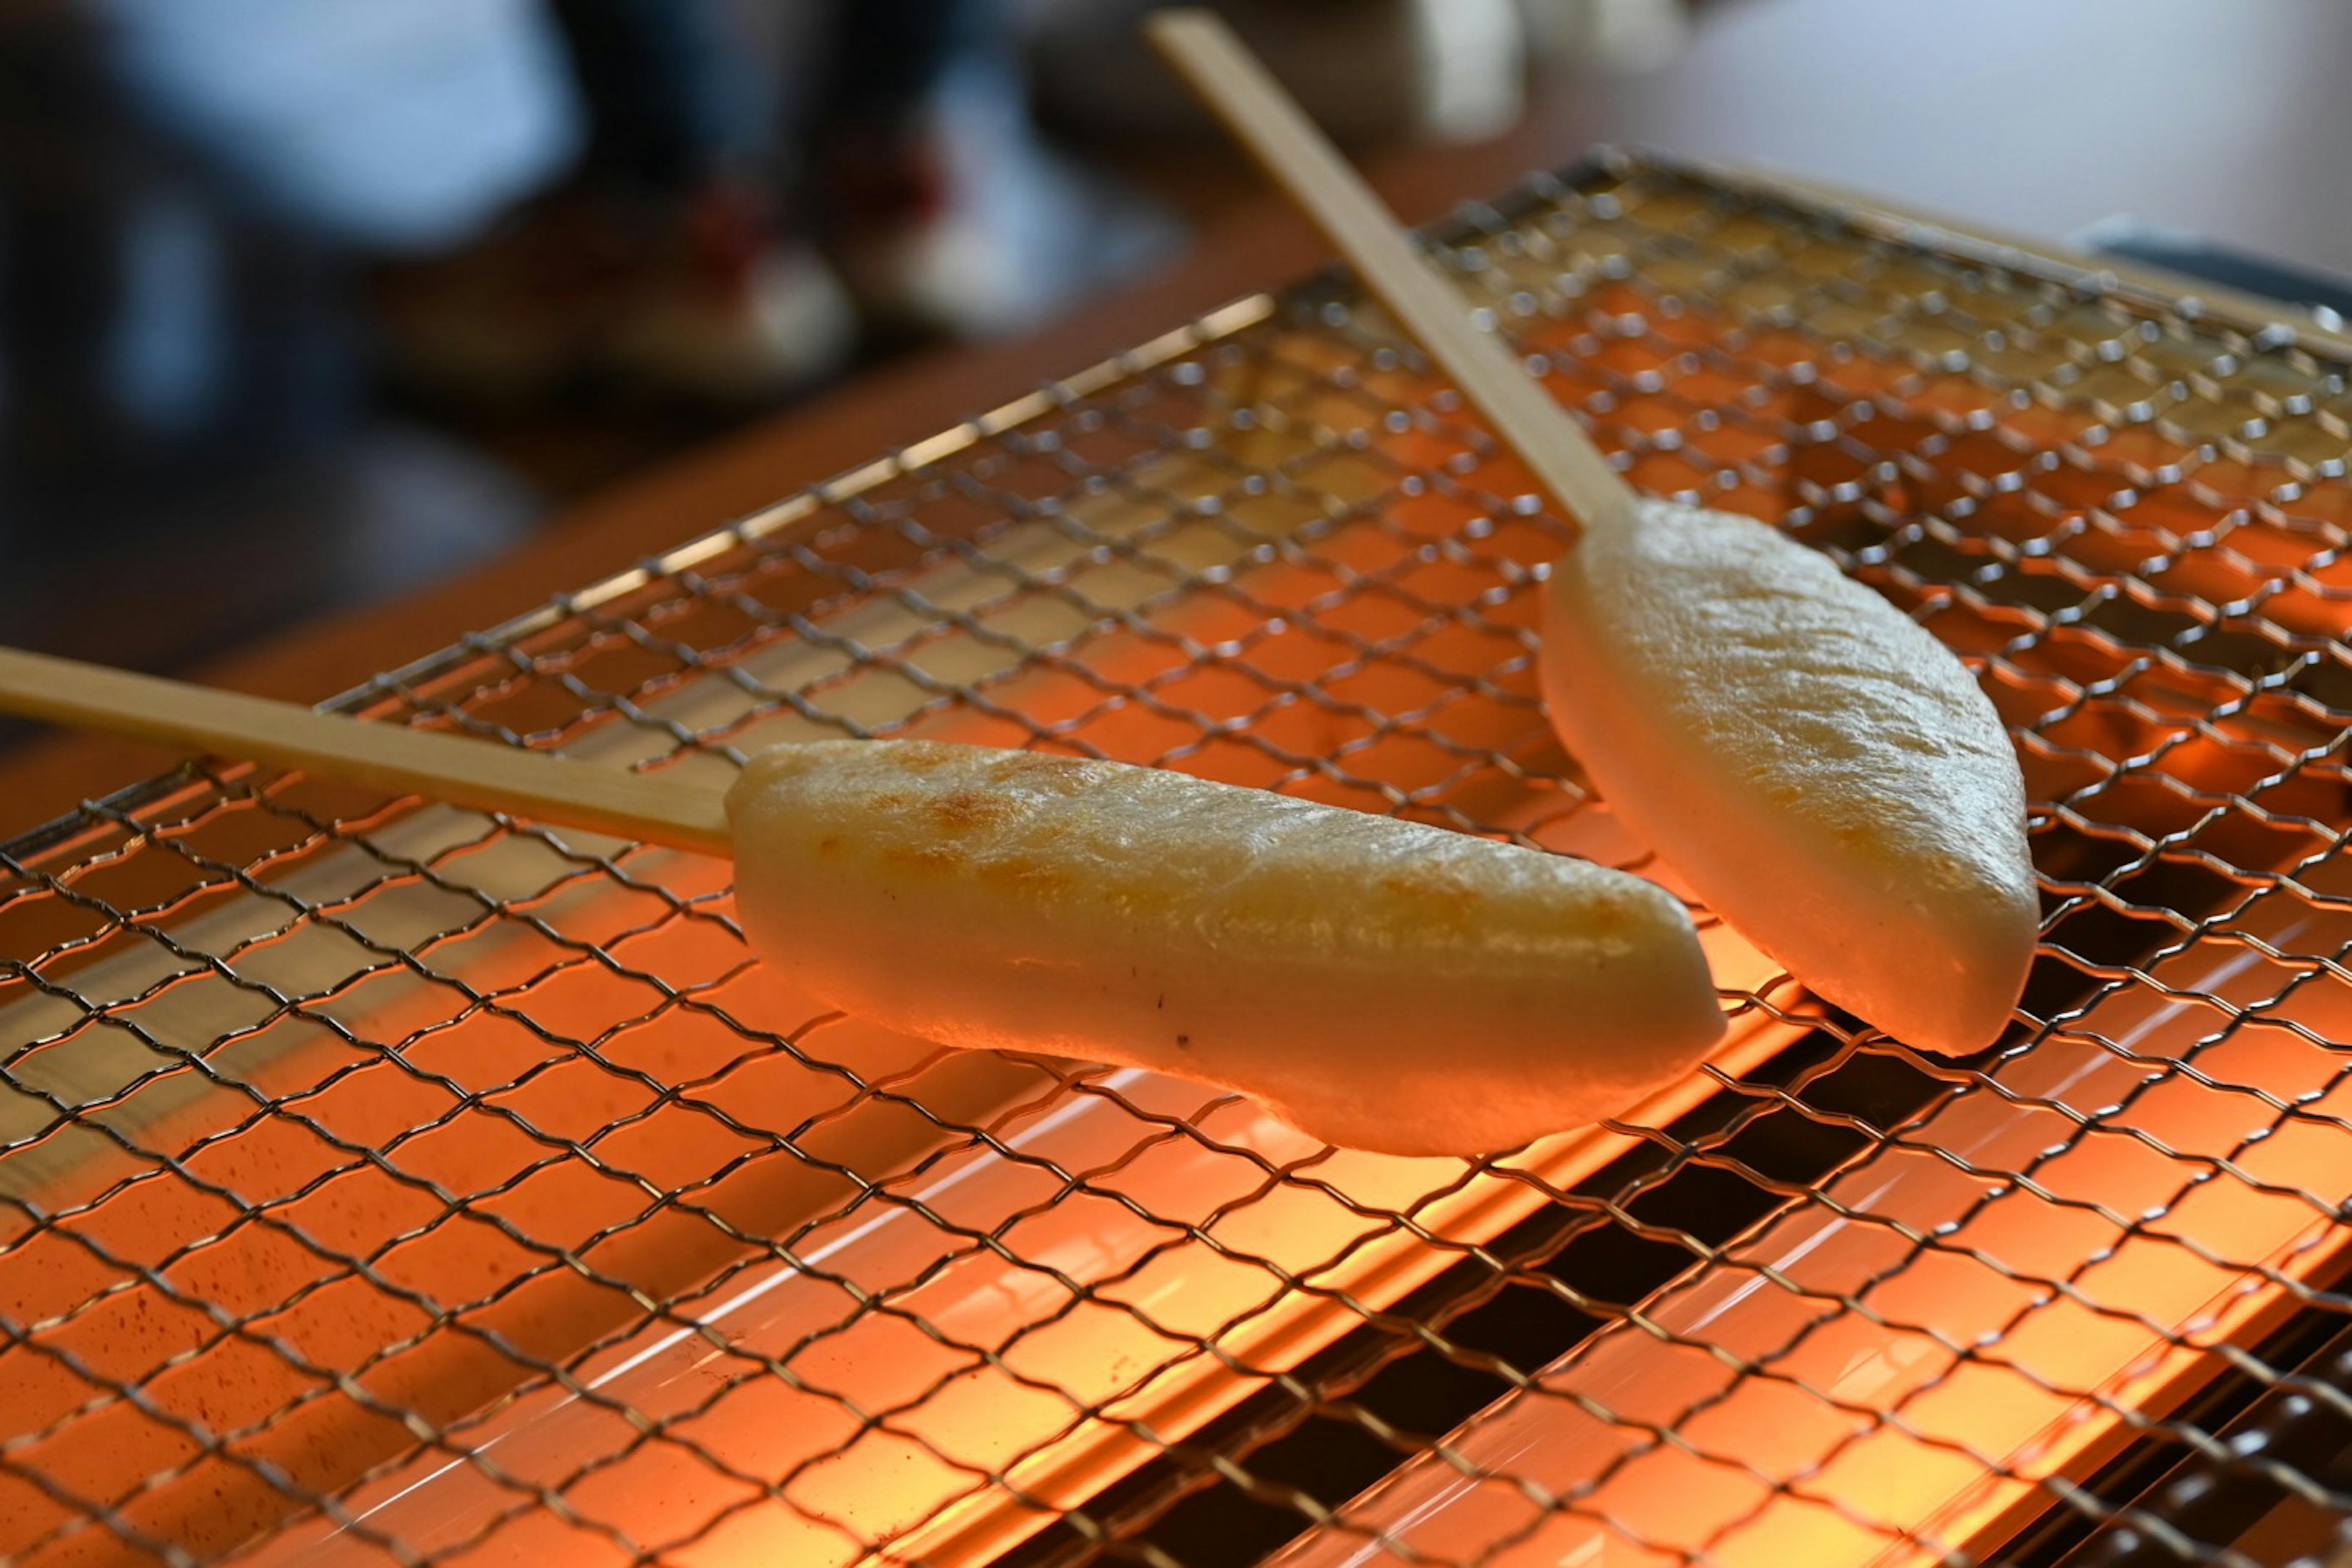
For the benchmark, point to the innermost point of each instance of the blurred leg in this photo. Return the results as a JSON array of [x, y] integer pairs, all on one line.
[[935, 193], [185, 454], [153, 333], [663, 268], [64, 168], [668, 99], [893, 56], [186, 192]]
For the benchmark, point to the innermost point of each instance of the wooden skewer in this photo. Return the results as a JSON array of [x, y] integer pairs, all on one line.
[[603, 799], [1267, 122]]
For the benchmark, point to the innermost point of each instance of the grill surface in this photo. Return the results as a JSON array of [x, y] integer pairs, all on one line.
[[380, 1181]]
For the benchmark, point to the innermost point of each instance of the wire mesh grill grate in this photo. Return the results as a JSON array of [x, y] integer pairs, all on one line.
[[380, 1181]]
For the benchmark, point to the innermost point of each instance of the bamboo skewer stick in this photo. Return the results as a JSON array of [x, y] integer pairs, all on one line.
[[464, 772], [1302, 161]]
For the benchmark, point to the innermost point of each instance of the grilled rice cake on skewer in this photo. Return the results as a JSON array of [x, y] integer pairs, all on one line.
[[1382, 984], [1819, 769], [1377, 983]]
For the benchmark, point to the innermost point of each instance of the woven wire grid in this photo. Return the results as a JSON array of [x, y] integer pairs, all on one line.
[[383, 1182]]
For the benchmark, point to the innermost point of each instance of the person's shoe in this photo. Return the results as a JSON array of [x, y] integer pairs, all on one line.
[[512, 317], [959, 221], [702, 301], [728, 311]]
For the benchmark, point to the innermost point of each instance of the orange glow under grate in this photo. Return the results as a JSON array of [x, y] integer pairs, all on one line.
[[379, 1182]]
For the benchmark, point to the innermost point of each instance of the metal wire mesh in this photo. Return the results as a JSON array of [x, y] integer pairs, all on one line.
[[379, 1181]]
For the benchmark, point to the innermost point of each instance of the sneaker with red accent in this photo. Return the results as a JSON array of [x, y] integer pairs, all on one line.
[[728, 311], [958, 221], [703, 301]]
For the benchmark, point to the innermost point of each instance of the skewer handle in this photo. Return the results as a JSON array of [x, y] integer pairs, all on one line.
[[465, 771], [1267, 122]]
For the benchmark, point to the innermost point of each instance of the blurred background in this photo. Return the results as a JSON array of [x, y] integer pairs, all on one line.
[[308, 305], [308, 301]]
